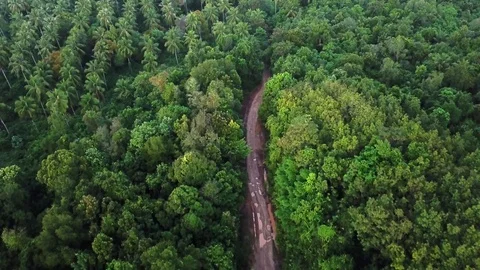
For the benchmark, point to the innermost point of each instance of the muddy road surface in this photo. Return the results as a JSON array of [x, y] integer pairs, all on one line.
[[258, 207]]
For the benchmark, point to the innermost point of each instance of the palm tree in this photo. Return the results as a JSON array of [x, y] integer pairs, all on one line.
[[71, 74], [44, 70], [89, 102], [130, 11], [123, 89], [95, 85], [19, 65], [57, 101], [17, 6], [68, 87], [169, 13], [233, 15], [125, 48], [94, 66], [193, 23], [151, 19], [150, 52], [149, 61], [173, 41], [26, 37], [77, 40], [220, 33], [211, 13], [98, 66], [124, 28], [51, 28], [24, 42], [44, 46], [149, 12], [256, 18], [26, 107], [102, 53], [242, 29], [84, 9], [81, 19], [35, 16], [37, 87], [3, 108], [57, 104], [191, 39], [244, 46], [224, 6], [4, 52], [106, 14]]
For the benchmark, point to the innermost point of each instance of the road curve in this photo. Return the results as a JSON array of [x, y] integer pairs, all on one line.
[[258, 207]]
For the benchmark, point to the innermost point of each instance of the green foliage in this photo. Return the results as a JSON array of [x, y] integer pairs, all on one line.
[[123, 142], [102, 245], [193, 169], [60, 171], [365, 147], [124, 148]]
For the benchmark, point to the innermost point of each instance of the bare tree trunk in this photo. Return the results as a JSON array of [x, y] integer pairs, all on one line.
[[43, 109], [35, 125], [33, 58], [71, 106], [176, 57], [5, 76], [105, 80], [25, 77], [6, 128]]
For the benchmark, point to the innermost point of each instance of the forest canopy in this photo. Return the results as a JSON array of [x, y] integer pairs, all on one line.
[[122, 140], [374, 134], [123, 147]]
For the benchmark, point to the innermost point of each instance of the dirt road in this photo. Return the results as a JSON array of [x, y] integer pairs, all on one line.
[[258, 206]]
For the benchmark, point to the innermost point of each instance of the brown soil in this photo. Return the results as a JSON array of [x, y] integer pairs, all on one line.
[[257, 206]]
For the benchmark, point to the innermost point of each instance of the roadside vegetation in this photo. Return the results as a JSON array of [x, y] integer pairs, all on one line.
[[122, 140], [373, 115], [122, 144]]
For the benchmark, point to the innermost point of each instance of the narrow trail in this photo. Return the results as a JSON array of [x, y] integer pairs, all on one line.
[[258, 207]]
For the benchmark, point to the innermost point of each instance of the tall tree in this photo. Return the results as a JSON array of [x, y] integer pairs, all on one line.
[[150, 52], [57, 104], [3, 109], [26, 107], [224, 6], [169, 12], [194, 23], [106, 13], [233, 15], [211, 13], [37, 88], [149, 12], [173, 41], [4, 53]]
